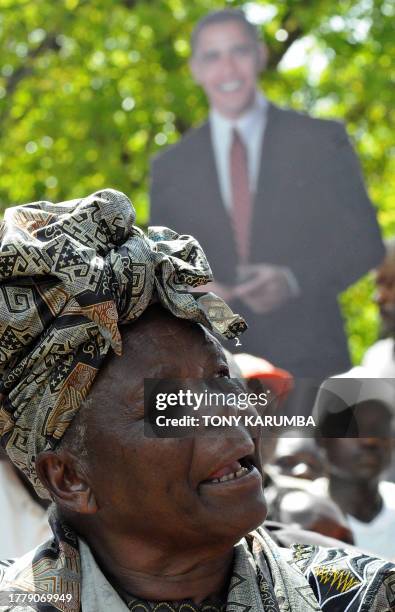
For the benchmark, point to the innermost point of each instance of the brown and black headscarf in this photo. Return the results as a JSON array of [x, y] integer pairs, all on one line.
[[70, 274]]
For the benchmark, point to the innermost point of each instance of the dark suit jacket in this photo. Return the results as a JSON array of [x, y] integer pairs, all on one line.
[[311, 213]]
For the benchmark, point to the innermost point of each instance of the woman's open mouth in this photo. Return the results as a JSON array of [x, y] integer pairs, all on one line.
[[232, 471]]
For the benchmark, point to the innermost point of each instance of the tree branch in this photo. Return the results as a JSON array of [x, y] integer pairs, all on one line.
[[294, 32], [49, 43]]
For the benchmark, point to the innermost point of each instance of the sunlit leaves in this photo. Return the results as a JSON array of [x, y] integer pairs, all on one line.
[[90, 91]]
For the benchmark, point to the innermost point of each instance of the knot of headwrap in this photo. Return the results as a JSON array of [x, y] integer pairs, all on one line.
[[70, 273]]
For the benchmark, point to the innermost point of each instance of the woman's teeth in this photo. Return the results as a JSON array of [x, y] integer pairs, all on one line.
[[233, 475]]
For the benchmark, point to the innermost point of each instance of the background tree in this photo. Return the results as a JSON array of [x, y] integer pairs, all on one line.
[[89, 91]]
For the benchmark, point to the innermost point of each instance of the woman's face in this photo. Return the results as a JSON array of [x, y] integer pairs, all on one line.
[[160, 489]]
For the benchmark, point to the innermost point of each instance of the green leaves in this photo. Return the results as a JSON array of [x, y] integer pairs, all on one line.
[[90, 91]]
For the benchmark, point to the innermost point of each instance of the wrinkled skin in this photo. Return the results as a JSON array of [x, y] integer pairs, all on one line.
[[142, 503], [168, 486]]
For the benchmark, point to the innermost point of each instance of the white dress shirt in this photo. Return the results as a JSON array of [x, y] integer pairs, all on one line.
[[251, 127]]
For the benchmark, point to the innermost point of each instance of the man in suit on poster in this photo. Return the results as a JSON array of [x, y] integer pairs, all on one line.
[[276, 199]]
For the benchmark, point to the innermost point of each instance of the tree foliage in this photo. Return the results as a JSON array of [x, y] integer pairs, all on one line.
[[89, 91]]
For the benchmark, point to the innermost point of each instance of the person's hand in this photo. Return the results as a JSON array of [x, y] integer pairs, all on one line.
[[266, 287]]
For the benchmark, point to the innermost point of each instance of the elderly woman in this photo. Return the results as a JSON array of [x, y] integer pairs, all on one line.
[[90, 306]]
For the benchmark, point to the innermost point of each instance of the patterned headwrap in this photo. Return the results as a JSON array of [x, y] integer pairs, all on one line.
[[70, 273]]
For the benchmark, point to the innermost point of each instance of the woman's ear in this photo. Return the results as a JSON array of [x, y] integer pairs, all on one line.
[[66, 481]]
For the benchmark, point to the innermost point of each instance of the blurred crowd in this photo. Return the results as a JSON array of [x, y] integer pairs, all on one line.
[[342, 486]]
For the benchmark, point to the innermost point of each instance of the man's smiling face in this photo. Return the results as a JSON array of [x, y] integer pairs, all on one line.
[[156, 488], [226, 63]]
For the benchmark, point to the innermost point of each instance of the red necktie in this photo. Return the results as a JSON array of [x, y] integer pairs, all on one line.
[[241, 196]]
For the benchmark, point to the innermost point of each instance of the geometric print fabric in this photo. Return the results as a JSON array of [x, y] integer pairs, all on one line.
[[70, 275]]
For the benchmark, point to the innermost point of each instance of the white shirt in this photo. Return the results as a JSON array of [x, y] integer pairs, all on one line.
[[96, 592], [380, 358], [251, 128], [376, 537], [24, 523]]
